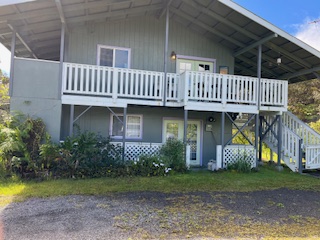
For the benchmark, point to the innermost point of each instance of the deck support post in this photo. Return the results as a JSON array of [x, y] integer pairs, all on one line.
[[62, 43], [185, 129], [71, 120], [260, 138], [166, 58], [124, 124], [13, 47], [259, 76], [300, 156], [256, 139], [279, 140], [223, 117]]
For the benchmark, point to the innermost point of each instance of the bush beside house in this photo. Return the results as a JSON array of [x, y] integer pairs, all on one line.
[[26, 150]]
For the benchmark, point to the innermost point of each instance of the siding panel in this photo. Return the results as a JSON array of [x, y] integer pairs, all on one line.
[[146, 38]]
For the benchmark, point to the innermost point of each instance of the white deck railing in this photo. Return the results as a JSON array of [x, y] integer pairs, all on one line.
[[290, 143], [116, 83], [233, 89], [311, 139], [140, 85]]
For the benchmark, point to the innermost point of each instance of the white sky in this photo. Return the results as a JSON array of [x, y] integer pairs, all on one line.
[[309, 33], [4, 59], [8, 2]]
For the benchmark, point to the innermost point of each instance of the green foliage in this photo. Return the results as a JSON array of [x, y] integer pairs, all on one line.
[[315, 126], [85, 155], [240, 139], [4, 97], [304, 100], [148, 166], [241, 165], [21, 137], [173, 154]]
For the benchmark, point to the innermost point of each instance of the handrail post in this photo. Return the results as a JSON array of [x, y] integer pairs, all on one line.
[[115, 84], [186, 83], [300, 156], [224, 90]]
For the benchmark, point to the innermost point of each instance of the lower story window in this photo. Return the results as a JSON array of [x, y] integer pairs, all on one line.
[[133, 126]]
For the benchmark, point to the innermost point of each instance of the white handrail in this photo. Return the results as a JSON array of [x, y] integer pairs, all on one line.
[[290, 143], [309, 136]]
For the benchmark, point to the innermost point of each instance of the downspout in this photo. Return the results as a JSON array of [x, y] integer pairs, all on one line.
[[166, 59], [62, 42], [13, 47]]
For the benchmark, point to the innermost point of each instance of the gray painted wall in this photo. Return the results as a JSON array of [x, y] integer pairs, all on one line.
[[36, 92], [97, 119], [145, 36]]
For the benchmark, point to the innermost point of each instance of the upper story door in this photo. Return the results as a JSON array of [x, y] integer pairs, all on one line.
[[194, 65]]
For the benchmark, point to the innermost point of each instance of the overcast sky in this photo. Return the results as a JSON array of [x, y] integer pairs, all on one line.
[[293, 16]]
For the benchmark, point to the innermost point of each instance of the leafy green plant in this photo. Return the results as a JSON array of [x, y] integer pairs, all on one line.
[[21, 137], [148, 165], [173, 154], [85, 155], [241, 165]]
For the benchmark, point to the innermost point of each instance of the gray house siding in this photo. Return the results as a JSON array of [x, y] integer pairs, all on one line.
[[97, 119], [36, 92], [145, 36]]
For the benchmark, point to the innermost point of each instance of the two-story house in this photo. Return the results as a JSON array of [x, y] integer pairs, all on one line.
[[141, 71]]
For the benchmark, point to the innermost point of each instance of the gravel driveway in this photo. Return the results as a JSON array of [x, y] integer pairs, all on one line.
[[147, 215]]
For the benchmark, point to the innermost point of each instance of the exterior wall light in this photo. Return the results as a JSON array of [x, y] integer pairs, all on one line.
[[173, 55], [279, 61]]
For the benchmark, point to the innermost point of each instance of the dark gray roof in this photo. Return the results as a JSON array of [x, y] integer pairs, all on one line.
[[38, 27]]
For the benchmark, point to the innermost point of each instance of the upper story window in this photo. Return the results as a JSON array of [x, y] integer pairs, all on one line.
[[113, 56]]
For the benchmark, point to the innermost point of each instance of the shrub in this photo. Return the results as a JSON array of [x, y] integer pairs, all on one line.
[[241, 165], [85, 155], [21, 137], [173, 154], [148, 165]]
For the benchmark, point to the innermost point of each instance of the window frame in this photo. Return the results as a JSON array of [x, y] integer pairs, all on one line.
[[128, 115], [113, 48]]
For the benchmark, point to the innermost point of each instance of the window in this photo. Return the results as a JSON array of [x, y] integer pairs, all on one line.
[[113, 56], [133, 128]]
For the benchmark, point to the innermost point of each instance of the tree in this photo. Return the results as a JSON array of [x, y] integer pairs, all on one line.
[[304, 100], [4, 96]]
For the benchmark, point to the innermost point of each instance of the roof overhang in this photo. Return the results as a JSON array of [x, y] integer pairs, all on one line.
[[38, 27]]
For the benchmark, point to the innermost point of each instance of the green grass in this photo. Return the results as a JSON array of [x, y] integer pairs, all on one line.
[[266, 179]]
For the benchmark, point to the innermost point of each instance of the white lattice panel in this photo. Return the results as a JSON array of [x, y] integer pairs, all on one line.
[[134, 150], [233, 153]]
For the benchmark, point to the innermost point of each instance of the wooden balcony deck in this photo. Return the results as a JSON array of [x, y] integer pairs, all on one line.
[[116, 87]]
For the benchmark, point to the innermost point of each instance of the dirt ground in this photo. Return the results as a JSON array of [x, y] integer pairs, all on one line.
[[276, 214]]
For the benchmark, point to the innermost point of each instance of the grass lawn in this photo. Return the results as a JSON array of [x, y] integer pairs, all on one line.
[[188, 215], [266, 179]]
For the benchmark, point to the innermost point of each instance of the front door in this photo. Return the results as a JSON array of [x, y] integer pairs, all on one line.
[[193, 65], [174, 129]]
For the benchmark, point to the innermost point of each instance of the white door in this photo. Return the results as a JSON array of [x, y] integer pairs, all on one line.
[[174, 129], [193, 65]]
